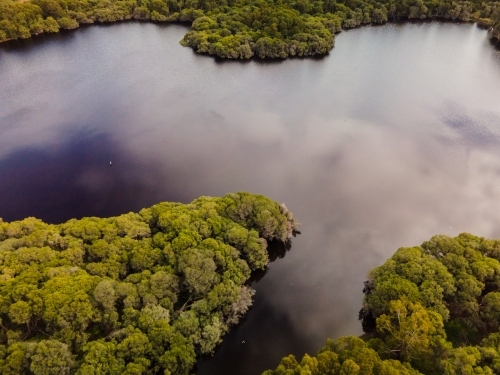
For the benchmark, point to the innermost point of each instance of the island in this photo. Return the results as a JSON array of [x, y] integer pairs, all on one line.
[[242, 29], [139, 293], [432, 309]]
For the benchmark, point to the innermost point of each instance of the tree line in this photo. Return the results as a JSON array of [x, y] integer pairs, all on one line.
[[242, 28], [431, 309], [139, 293]]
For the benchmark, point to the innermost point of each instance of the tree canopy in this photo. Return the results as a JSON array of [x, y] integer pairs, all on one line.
[[138, 293], [241, 29], [430, 309]]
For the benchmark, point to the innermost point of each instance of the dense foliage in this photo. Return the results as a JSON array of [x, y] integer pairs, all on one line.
[[242, 28], [262, 30], [431, 309], [139, 293], [344, 356]]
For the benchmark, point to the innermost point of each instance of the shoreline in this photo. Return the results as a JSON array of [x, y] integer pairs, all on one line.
[[495, 39]]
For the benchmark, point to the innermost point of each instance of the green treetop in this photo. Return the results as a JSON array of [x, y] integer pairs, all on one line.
[[241, 29], [138, 293], [433, 309]]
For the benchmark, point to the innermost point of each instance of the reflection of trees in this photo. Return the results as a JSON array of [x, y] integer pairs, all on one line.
[[276, 250]]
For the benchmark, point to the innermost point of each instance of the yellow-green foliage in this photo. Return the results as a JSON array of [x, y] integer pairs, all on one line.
[[432, 309], [344, 356], [141, 292], [242, 28], [263, 30]]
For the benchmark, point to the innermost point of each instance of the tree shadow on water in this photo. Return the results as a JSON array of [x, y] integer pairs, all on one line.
[[495, 43], [276, 250], [232, 355]]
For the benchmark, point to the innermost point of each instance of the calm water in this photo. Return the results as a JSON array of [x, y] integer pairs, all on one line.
[[393, 137]]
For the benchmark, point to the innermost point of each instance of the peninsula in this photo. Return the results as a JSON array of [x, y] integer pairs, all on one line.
[[139, 293]]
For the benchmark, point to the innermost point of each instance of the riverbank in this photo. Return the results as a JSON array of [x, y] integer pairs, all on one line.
[[263, 30]]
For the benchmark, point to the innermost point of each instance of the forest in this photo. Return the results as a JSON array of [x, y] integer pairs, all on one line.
[[139, 293], [431, 309], [242, 29]]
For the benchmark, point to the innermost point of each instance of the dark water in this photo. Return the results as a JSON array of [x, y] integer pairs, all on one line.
[[390, 139]]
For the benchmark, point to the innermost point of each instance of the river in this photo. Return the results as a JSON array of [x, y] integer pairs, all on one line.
[[391, 138]]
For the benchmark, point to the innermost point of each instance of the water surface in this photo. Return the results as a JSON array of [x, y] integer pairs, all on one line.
[[390, 139]]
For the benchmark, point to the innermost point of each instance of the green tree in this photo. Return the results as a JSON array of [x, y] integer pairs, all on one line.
[[409, 330], [137, 293], [51, 357], [491, 310]]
